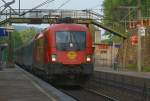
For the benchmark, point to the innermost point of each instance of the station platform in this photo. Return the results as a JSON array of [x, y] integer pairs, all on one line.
[[135, 81], [19, 85], [145, 75]]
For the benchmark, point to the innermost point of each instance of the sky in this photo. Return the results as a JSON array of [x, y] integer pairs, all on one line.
[[72, 4]]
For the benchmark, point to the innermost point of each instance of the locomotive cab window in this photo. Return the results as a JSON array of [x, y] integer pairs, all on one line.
[[70, 40]]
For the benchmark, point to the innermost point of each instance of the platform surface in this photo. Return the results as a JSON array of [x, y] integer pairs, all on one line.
[[18, 85], [128, 73]]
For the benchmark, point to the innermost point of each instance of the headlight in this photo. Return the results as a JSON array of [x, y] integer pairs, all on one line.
[[88, 58], [53, 57]]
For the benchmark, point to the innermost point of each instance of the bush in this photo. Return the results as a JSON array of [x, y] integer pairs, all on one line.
[[132, 66]]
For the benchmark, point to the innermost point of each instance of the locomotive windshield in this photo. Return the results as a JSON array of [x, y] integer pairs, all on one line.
[[70, 40]]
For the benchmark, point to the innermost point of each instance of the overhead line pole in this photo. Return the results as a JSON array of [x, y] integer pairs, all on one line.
[[19, 7], [139, 38]]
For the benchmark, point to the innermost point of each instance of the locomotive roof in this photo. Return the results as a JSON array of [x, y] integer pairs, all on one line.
[[62, 26], [70, 25]]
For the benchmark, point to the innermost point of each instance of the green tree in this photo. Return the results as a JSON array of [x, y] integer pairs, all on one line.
[[116, 11], [19, 38], [23, 37]]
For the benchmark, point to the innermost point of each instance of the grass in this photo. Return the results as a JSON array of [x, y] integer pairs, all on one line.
[[134, 67], [146, 69]]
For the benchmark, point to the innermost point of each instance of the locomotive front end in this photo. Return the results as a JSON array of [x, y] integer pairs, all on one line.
[[73, 50]]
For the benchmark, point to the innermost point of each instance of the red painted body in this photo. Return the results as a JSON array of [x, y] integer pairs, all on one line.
[[47, 47], [72, 58]]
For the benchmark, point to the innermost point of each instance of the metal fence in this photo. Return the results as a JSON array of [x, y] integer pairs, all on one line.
[[105, 55]]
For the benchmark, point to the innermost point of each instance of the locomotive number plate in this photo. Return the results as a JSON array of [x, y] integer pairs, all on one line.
[[71, 55]]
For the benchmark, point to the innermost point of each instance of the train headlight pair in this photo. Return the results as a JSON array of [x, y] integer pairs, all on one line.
[[53, 57], [88, 58]]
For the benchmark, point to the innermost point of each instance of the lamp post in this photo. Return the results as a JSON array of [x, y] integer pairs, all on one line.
[[141, 32], [2, 46], [10, 29]]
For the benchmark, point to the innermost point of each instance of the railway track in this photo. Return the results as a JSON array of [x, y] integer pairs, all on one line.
[[122, 92], [82, 94]]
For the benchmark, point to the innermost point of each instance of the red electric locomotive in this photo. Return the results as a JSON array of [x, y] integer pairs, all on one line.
[[63, 50]]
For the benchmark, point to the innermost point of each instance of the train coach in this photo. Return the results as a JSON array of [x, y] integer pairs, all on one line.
[[63, 50]]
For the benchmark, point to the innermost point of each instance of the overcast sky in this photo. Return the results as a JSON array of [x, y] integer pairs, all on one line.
[[72, 4]]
